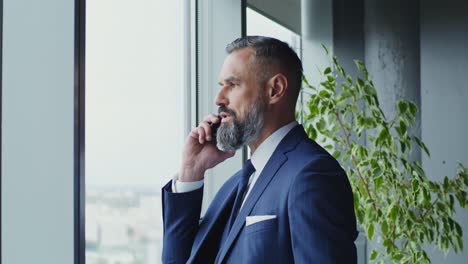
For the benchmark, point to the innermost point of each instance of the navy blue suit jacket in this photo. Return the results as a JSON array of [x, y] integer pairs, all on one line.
[[302, 184]]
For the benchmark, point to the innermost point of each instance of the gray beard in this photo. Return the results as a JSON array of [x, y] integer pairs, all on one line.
[[233, 135]]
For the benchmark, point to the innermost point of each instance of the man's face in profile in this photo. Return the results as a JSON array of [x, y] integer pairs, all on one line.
[[241, 101]]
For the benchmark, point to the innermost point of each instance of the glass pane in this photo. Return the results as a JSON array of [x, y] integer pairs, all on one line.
[[257, 24], [134, 124]]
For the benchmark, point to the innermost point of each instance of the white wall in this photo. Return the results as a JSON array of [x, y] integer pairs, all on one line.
[[37, 139]]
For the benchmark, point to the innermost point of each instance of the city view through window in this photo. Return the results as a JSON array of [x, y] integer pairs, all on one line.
[[134, 125]]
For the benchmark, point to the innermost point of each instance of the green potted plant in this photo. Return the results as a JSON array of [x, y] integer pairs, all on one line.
[[400, 209]]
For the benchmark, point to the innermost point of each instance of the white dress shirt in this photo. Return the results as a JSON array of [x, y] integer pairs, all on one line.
[[259, 159]]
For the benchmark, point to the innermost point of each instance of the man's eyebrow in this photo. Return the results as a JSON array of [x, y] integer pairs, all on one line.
[[230, 79]]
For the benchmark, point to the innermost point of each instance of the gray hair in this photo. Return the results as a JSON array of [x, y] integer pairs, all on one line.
[[268, 53]]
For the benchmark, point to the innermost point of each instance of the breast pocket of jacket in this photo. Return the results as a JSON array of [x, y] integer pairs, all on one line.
[[261, 242]]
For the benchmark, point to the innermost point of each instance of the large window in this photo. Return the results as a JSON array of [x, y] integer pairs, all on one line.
[[134, 128]]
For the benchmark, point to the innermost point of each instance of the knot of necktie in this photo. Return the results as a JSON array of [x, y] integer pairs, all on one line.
[[246, 171]]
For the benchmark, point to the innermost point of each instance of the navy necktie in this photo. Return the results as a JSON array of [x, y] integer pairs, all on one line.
[[247, 170]]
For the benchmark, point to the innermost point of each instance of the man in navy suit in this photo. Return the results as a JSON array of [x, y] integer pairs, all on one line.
[[290, 203]]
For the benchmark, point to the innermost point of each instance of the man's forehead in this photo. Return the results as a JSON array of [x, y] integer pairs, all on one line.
[[236, 64], [244, 53]]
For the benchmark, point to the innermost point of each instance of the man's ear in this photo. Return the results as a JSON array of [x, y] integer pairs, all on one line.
[[277, 88]]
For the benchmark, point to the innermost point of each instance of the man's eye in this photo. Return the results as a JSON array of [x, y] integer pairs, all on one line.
[[230, 85]]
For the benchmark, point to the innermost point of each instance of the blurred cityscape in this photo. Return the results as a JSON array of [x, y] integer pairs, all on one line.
[[123, 225]]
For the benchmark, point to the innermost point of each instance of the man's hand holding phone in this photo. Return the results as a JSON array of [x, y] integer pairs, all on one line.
[[200, 152]]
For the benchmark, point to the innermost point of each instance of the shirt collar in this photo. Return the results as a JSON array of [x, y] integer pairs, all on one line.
[[267, 147]]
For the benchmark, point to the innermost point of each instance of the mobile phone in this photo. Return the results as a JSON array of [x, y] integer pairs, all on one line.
[[215, 126]]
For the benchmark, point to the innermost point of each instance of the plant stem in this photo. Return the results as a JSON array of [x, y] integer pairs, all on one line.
[[354, 161], [429, 209], [405, 244], [391, 123], [393, 233]]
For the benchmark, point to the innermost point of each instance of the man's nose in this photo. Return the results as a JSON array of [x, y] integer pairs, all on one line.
[[220, 98]]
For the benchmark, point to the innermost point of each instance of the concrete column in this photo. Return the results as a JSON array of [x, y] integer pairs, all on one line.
[[444, 93], [348, 45], [316, 29], [391, 41]]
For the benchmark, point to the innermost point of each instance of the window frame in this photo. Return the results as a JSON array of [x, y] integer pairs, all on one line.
[[79, 201], [1, 122]]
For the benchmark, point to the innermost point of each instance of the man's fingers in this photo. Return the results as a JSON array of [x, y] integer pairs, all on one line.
[[204, 132], [207, 129], [194, 133], [211, 118], [201, 134], [206, 124]]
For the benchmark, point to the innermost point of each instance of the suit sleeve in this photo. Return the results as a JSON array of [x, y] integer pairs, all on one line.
[[321, 215], [181, 213]]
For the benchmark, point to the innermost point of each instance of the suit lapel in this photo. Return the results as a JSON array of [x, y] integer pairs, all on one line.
[[271, 168]]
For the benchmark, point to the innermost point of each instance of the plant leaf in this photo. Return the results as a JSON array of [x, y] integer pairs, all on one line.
[[422, 145], [325, 48], [402, 107], [370, 231]]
